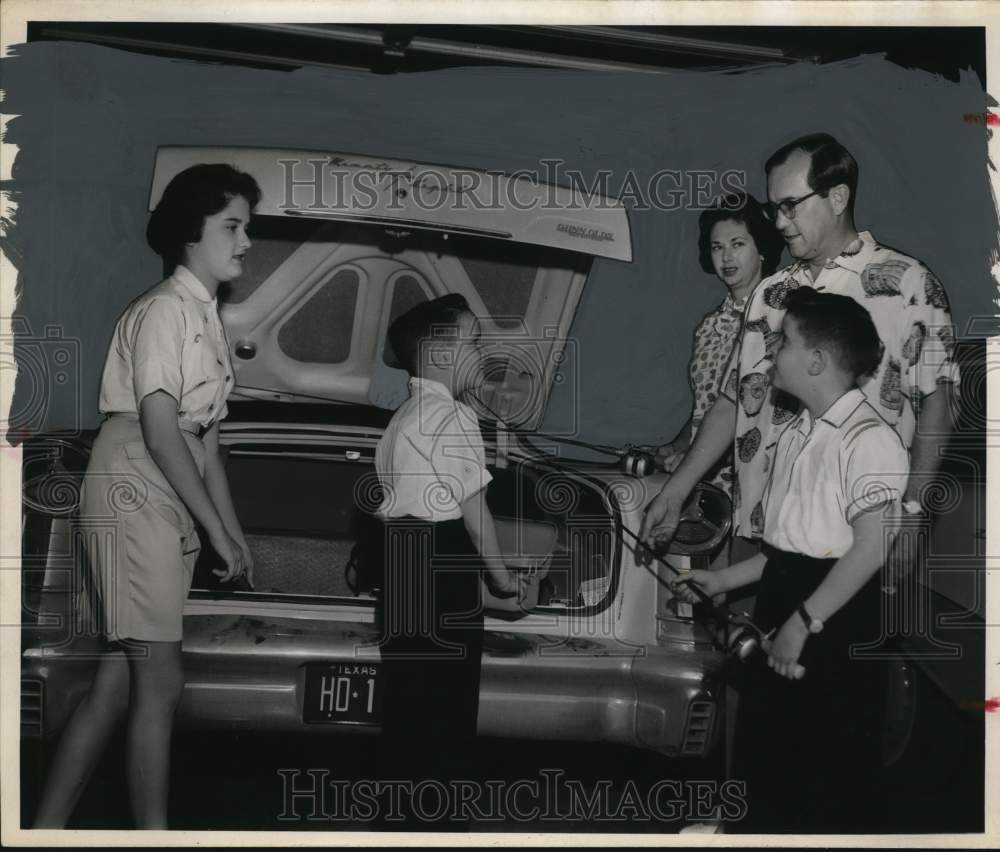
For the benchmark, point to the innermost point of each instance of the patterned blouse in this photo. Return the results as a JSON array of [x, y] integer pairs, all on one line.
[[910, 310], [714, 339]]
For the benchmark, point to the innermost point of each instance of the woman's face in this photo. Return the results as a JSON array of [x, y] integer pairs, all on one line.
[[218, 255], [734, 255]]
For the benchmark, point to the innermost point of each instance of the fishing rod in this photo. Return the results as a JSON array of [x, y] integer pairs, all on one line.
[[287, 394], [634, 462], [745, 640]]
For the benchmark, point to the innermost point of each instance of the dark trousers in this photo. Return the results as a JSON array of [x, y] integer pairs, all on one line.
[[431, 646], [810, 749]]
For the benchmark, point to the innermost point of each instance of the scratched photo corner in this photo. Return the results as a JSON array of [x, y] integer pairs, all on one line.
[[450, 319]]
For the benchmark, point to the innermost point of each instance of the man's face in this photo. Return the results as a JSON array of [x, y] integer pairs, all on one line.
[[792, 361], [814, 222]]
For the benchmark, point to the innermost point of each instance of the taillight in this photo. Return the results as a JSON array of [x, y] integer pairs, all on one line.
[[32, 706]]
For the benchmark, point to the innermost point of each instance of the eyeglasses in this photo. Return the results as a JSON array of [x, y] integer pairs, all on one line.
[[786, 207]]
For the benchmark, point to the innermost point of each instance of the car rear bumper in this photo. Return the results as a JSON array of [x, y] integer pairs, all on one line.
[[249, 674]]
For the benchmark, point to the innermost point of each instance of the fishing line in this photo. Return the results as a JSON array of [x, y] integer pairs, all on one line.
[[292, 394], [621, 453], [605, 449]]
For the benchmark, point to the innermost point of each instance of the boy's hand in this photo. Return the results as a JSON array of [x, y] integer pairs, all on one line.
[[784, 650], [708, 581], [505, 585]]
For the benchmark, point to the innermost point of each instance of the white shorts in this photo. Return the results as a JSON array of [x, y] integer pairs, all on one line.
[[138, 535]]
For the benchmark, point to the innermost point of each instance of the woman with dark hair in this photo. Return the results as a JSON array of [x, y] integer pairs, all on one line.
[[154, 470], [738, 245]]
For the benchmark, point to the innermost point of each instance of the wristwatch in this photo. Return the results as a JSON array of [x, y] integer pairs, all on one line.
[[813, 625], [912, 507]]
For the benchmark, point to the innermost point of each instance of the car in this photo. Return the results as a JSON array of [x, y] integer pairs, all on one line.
[[601, 651]]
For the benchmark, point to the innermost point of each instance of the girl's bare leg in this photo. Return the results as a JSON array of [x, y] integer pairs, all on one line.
[[157, 684], [84, 741]]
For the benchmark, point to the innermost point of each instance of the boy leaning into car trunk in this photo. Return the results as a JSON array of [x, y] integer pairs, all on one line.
[[808, 733], [439, 540]]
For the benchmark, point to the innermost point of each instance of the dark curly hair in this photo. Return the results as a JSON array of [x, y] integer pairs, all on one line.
[[744, 208], [839, 324], [192, 195]]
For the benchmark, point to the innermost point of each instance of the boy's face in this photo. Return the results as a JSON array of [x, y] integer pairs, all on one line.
[[467, 359], [794, 359]]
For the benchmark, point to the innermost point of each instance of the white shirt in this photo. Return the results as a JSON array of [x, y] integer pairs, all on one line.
[[430, 459], [909, 308], [170, 339], [828, 472]]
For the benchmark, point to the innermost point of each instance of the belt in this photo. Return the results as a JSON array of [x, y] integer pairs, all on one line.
[[183, 423]]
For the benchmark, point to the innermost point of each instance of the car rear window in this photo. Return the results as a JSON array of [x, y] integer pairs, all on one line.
[[320, 330]]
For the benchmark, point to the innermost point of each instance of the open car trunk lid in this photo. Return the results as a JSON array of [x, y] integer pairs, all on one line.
[[345, 243]]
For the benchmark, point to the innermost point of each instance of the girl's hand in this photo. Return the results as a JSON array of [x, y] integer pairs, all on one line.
[[231, 553], [708, 581], [247, 562], [784, 650]]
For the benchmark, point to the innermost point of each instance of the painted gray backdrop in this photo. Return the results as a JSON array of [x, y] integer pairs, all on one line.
[[90, 120]]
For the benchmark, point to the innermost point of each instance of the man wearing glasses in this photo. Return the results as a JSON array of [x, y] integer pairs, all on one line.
[[811, 186]]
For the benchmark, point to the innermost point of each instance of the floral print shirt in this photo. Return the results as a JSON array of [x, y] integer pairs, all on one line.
[[910, 310], [714, 341]]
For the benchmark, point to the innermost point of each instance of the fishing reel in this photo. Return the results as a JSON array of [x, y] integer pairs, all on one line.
[[638, 462], [735, 633], [745, 638], [705, 521]]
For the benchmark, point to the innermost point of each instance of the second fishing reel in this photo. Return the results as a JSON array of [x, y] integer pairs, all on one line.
[[704, 523]]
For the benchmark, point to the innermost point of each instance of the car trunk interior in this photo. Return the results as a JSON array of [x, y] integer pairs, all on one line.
[[303, 509]]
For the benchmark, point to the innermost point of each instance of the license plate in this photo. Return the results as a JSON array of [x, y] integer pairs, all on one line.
[[342, 693]]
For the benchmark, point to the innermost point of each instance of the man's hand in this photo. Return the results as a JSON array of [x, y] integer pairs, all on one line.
[[662, 517], [784, 650], [667, 457], [714, 439]]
